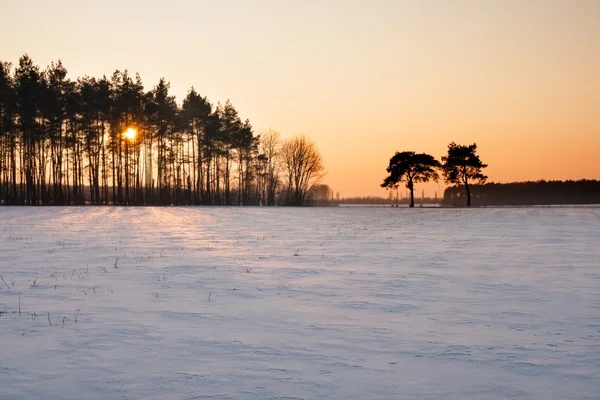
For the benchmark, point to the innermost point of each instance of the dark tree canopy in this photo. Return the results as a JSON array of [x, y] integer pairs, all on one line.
[[528, 193], [462, 166], [411, 168], [109, 141]]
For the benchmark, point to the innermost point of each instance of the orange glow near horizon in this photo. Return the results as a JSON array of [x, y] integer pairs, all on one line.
[[362, 79]]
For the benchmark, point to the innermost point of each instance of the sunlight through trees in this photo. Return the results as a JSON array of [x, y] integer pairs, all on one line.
[[108, 141]]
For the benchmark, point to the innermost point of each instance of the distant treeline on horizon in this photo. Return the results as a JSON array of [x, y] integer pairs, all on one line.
[[584, 191], [386, 200]]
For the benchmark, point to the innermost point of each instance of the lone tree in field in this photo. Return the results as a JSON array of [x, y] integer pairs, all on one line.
[[462, 165], [411, 168], [303, 168]]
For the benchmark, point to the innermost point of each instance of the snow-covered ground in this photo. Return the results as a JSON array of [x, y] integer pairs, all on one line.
[[318, 303]]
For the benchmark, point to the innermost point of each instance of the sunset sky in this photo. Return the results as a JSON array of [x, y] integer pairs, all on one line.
[[521, 78]]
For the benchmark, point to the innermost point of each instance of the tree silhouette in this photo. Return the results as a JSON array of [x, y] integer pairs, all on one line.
[[63, 142], [462, 165], [269, 166], [195, 116], [411, 168], [8, 135], [303, 168]]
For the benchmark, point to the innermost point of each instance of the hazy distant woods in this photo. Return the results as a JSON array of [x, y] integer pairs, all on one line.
[[527, 193], [63, 142]]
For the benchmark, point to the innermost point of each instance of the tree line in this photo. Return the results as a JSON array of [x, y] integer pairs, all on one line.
[[528, 193], [108, 141], [460, 166]]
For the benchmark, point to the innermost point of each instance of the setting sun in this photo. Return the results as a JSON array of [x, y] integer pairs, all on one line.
[[130, 134]]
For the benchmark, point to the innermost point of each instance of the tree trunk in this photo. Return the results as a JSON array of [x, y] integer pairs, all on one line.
[[468, 194]]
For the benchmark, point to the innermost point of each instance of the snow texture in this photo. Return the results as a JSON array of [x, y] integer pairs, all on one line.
[[283, 303]]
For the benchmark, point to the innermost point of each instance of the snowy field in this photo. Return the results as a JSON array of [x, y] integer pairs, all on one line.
[[278, 303]]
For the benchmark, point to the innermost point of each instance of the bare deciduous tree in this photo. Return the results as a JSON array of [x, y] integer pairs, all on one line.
[[303, 168], [270, 151]]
